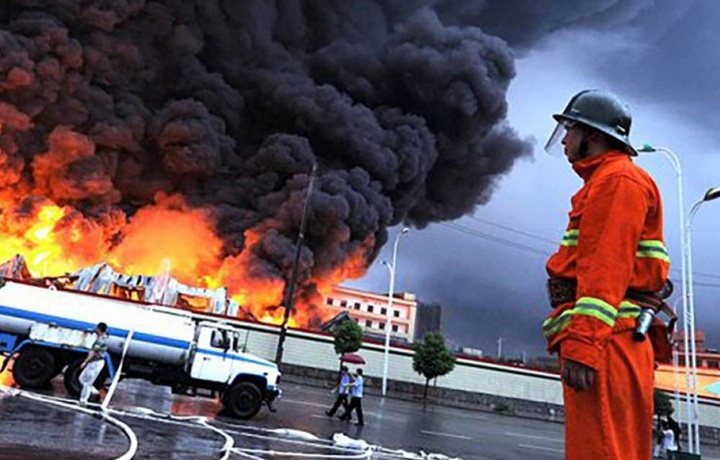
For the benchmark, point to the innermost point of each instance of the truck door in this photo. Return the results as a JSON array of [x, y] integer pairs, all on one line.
[[212, 356]]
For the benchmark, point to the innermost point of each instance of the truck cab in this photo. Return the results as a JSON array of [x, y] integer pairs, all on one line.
[[244, 380]]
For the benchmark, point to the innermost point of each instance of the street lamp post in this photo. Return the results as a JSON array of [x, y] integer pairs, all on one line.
[[674, 161], [290, 284], [676, 365], [694, 432], [388, 319]]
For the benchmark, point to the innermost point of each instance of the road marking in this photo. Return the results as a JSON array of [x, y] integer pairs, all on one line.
[[529, 446], [447, 435], [543, 438]]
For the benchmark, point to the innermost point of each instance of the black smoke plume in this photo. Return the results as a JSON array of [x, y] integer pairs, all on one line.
[[105, 103]]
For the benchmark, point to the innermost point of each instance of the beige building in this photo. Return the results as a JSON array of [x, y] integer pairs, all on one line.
[[370, 311]]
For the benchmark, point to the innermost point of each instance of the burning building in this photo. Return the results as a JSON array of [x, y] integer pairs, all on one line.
[[179, 136]]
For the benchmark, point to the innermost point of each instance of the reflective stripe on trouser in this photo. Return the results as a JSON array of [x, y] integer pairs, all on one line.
[[88, 376], [612, 420]]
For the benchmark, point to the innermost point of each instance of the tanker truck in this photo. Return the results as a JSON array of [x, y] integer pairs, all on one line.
[[47, 331]]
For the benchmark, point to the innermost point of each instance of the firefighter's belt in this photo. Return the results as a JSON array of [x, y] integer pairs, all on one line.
[[562, 290]]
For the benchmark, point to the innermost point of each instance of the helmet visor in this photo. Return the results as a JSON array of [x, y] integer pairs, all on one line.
[[554, 145]]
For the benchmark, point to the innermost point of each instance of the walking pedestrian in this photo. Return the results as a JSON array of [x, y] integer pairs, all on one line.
[[93, 364], [342, 390], [356, 391], [611, 264], [677, 431], [669, 443]]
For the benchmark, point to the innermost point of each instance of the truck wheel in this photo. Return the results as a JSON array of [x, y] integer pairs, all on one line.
[[71, 379], [243, 400], [33, 368]]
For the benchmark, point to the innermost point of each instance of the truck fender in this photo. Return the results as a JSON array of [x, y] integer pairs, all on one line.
[[258, 380]]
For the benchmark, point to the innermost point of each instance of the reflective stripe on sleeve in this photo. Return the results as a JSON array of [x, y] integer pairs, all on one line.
[[570, 238], [654, 249]]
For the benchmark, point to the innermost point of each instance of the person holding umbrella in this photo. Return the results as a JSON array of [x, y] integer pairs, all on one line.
[[342, 392], [356, 391]]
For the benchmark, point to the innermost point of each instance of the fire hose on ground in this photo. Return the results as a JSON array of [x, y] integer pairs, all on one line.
[[349, 448]]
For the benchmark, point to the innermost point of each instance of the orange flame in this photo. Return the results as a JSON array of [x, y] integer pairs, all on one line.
[[168, 235]]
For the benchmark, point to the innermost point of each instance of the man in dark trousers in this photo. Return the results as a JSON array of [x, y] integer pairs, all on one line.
[[342, 393], [356, 391]]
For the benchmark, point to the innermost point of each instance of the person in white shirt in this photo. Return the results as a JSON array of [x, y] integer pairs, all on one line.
[[342, 393], [93, 364], [668, 444], [356, 391]]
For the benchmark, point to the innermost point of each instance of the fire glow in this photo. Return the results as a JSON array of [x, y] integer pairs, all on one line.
[[168, 235]]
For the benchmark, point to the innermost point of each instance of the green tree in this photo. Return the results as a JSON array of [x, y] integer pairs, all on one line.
[[433, 358], [663, 404], [348, 339]]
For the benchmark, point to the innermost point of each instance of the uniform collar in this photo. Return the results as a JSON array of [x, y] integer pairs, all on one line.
[[587, 166]]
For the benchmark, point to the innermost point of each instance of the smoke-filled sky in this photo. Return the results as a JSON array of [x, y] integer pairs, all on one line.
[[416, 112], [661, 59], [107, 106]]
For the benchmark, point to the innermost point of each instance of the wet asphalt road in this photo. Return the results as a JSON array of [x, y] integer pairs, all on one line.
[[34, 430]]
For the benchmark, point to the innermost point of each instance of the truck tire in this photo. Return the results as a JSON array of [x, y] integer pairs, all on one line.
[[33, 368], [71, 379], [243, 400]]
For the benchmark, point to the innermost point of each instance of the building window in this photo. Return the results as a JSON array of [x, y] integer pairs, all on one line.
[[343, 303], [371, 308], [382, 326], [395, 328], [383, 311], [329, 301], [357, 305], [396, 313], [368, 323]]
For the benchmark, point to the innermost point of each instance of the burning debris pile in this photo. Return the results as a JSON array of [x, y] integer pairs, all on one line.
[[162, 289], [181, 133]]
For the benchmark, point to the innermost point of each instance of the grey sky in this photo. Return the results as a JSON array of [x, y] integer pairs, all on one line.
[[658, 59]]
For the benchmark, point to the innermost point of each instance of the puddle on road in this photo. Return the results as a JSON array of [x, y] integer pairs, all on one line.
[[171, 430]]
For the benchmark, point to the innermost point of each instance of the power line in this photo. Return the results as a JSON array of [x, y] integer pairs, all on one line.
[[706, 275], [514, 230], [523, 247], [546, 240], [496, 239]]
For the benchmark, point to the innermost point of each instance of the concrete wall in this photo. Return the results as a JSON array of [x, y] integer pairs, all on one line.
[[473, 382], [315, 350]]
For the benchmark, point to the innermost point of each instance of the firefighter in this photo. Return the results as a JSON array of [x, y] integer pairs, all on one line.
[[611, 255]]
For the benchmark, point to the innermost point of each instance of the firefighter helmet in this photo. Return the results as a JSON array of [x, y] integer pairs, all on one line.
[[601, 111]]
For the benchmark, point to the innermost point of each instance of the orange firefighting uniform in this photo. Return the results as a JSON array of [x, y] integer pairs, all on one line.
[[613, 242]]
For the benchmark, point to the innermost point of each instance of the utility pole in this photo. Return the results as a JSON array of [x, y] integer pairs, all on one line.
[[290, 284]]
